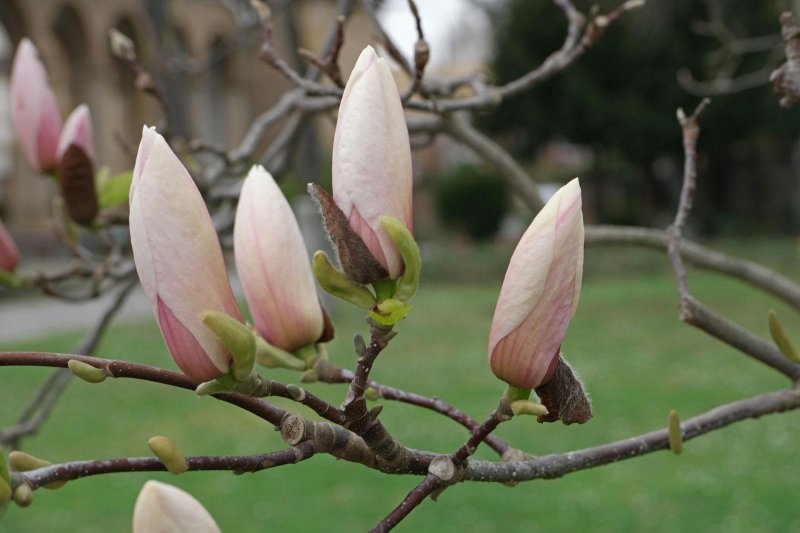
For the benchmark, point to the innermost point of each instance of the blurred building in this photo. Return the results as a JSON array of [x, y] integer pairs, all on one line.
[[214, 77]]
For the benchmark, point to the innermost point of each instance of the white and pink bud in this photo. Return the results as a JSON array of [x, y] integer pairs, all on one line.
[[178, 258], [273, 265], [163, 508], [78, 131], [372, 158], [34, 111], [540, 293], [9, 253]]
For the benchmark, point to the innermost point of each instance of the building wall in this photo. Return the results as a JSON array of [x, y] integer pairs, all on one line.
[[217, 104]]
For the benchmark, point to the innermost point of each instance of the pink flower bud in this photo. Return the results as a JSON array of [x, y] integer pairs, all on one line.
[[162, 508], [273, 265], [9, 253], [372, 158], [78, 131], [178, 258], [33, 109], [540, 293]]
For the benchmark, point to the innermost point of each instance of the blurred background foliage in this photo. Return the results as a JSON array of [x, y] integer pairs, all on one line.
[[620, 99]]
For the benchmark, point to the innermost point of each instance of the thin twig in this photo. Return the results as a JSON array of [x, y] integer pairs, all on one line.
[[329, 373], [238, 464]]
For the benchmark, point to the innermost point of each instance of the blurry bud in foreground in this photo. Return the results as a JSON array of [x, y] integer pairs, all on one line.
[[372, 160], [78, 131], [34, 111], [162, 508], [537, 301], [273, 265], [178, 258]]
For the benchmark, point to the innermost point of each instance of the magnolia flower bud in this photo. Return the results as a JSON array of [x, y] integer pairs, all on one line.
[[9, 253], [162, 508], [539, 294], [372, 158], [178, 258], [78, 131], [273, 264], [34, 111]]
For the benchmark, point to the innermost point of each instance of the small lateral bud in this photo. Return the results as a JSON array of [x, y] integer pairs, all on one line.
[[23, 495], [23, 462], [359, 344], [781, 339], [372, 394], [297, 393], [675, 436], [86, 371], [375, 411], [389, 312], [169, 455], [121, 45]]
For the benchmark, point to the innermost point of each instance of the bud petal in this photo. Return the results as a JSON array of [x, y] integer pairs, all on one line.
[[272, 262], [9, 253], [540, 293], [162, 508], [77, 130], [178, 258], [34, 111], [372, 158]]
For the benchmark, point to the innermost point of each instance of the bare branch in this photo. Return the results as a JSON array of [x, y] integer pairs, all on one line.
[[238, 464]]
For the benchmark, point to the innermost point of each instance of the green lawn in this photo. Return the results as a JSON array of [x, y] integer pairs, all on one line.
[[636, 358]]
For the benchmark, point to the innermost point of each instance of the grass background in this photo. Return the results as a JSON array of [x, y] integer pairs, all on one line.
[[637, 359]]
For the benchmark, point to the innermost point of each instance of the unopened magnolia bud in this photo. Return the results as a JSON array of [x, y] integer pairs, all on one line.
[[674, 430], [34, 111], [178, 258], [371, 163], [162, 508], [121, 45], [540, 293], [86, 371], [169, 455]]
